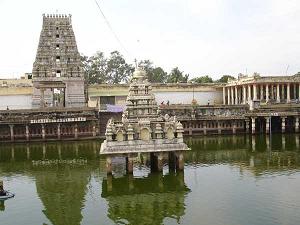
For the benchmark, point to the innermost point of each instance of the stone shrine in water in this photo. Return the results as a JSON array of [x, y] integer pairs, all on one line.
[[144, 130]]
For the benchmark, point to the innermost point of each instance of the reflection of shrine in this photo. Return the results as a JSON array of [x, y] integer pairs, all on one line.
[[146, 200]]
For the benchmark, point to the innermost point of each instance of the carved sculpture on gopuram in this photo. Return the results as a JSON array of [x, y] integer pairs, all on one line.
[[58, 79]]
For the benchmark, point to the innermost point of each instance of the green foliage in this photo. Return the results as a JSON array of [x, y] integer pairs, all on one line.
[[114, 70], [154, 74], [202, 79], [225, 78], [177, 76], [99, 69], [118, 71]]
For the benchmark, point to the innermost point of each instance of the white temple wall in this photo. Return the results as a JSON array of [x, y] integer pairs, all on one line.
[[203, 97], [15, 102]]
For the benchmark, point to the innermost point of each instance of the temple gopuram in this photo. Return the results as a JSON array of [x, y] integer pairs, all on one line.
[[144, 130]]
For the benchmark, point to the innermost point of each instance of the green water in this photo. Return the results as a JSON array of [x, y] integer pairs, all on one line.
[[227, 180]]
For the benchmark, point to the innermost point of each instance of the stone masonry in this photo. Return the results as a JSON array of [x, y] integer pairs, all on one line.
[[58, 79]]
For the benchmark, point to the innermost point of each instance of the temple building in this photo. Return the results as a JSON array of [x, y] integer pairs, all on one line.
[[57, 73], [143, 129], [267, 89]]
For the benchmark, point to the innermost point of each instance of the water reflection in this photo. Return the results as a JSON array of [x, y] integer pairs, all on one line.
[[147, 200], [258, 154], [55, 181]]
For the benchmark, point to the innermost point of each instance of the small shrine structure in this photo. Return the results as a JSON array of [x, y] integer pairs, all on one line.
[[144, 130]]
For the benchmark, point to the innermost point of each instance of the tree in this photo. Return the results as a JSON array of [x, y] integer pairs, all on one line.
[[177, 76], [94, 68], [99, 69], [202, 79], [225, 78], [118, 71], [154, 74]]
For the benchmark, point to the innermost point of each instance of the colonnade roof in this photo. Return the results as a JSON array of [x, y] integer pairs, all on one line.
[[257, 79]]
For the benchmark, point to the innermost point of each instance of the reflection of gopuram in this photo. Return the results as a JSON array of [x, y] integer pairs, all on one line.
[[62, 193], [145, 200], [61, 186]]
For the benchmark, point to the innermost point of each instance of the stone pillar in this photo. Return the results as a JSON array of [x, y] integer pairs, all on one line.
[[27, 132], [58, 131], [267, 124], [180, 161], [247, 122], [204, 127], [160, 162], [172, 162], [254, 92], [232, 96], [277, 93], [129, 164], [253, 124], [236, 95], [224, 95], [296, 124], [261, 88], [288, 93], [233, 126], [190, 129], [249, 93], [244, 94], [43, 132], [219, 128], [228, 95], [267, 93], [294, 91], [76, 130], [271, 91], [283, 124], [282, 92], [94, 130], [108, 165], [12, 136]]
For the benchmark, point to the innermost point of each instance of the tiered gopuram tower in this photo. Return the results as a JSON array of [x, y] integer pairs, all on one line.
[[58, 79], [143, 129]]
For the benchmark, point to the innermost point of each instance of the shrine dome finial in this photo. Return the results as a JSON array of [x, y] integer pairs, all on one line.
[[139, 73]]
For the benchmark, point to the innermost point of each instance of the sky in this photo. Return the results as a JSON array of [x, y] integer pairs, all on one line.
[[201, 37]]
